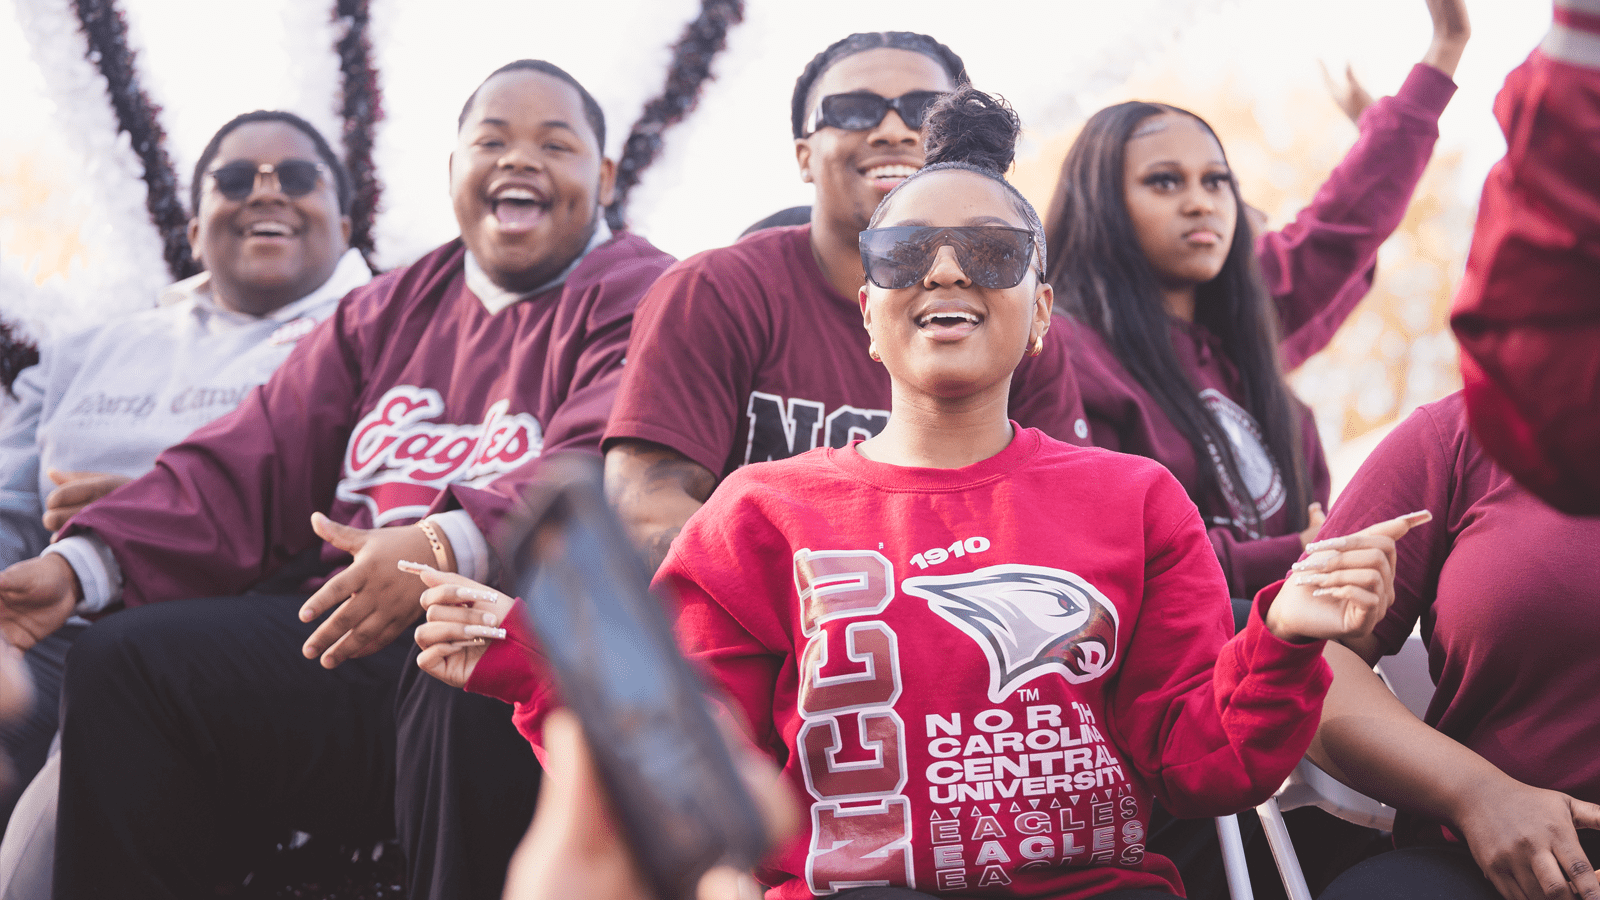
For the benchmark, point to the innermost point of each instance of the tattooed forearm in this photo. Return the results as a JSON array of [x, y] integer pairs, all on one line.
[[655, 490]]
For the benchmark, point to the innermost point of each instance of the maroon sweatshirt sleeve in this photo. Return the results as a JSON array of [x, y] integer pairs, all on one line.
[[233, 501], [1528, 312], [1203, 735], [1320, 265]]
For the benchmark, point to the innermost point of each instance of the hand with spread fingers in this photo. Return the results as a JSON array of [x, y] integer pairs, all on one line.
[[74, 491], [463, 617], [372, 600], [1344, 587], [37, 597]]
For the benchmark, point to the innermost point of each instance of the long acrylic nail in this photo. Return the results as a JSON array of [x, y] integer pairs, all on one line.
[[1310, 564], [1420, 517], [412, 568], [484, 631], [1322, 592], [1306, 578], [477, 594], [1329, 544]]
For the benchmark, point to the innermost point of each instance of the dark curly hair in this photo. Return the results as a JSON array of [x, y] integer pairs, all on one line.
[[974, 132], [341, 176], [861, 42], [16, 353], [1103, 278]]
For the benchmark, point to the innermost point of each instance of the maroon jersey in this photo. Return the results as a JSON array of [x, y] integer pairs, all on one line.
[[1528, 313], [412, 386], [967, 702], [1504, 588], [1124, 417], [746, 354]]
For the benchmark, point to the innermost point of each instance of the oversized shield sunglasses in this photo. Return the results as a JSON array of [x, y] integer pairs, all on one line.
[[992, 256]]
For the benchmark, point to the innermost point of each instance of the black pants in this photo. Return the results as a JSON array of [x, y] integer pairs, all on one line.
[[467, 781], [26, 742], [194, 734]]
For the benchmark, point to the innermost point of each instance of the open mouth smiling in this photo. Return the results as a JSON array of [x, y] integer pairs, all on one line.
[[268, 229], [518, 207]]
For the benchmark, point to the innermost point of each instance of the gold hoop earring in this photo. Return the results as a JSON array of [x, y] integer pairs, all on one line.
[[872, 351], [1036, 346]]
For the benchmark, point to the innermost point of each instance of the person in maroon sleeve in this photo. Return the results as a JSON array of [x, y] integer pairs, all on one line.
[[776, 363], [196, 730], [1528, 312], [977, 653], [1493, 795], [1177, 344]]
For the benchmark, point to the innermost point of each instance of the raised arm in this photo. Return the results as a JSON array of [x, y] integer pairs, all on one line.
[[655, 490], [1320, 266]]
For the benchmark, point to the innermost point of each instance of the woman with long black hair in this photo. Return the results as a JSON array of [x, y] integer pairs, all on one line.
[[1184, 319]]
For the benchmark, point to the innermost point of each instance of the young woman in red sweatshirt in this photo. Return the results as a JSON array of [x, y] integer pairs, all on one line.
[[977, 653]]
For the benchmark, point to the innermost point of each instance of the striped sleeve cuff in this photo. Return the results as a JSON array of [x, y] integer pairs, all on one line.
[[1574, 36], [97, 570]]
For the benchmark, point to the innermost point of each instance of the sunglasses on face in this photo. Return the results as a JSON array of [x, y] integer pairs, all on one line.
[[860, 110], [991, 256], [295, 177]]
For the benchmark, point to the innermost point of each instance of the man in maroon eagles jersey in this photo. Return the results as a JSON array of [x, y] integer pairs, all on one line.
[[756, 351], [198, 730]]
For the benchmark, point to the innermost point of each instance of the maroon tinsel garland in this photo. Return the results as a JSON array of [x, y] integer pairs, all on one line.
[[362, 108], [106, 30], [701, 41]]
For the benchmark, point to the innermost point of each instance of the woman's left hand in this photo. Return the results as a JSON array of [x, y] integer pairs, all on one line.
[[463, 617], [1344, 588]]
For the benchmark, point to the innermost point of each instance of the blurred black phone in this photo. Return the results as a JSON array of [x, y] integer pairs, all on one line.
[[670, 777]]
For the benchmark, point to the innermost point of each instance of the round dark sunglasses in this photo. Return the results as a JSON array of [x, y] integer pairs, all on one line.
[[860, 110], [296, 177], [991, 256]]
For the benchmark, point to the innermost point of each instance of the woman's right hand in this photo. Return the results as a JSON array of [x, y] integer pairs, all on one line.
[[1526, 840], [463, 617]]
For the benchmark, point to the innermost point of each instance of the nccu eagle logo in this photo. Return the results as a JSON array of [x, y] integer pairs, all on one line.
[[1028, 620]]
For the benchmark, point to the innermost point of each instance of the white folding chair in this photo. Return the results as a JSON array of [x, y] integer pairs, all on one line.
[[1233, 861], [1406, 673]]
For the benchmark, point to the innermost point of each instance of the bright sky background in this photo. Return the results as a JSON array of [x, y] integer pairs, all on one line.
[[732, 162]]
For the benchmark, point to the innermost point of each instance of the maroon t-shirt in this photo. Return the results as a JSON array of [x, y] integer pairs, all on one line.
[[1505, 589], [746, 354], [1123, 416]]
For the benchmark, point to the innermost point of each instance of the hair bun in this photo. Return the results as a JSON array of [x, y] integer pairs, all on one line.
[[969, 126]]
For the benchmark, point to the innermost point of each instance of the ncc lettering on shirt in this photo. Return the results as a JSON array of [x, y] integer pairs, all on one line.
[[781, 428], [398, 459], [852, 745]]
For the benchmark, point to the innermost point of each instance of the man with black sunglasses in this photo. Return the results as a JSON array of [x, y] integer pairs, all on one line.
[[403, 428], [756, 351]]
